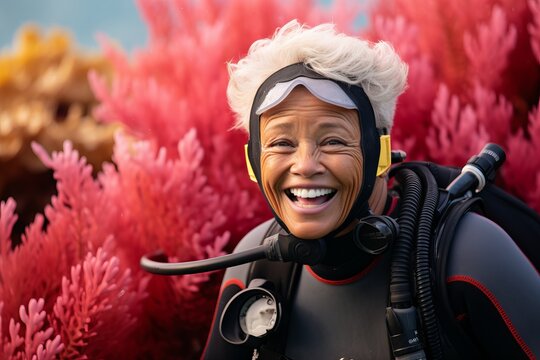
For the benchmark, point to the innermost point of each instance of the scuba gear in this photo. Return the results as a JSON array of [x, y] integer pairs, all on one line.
[[325, 90], [372, 234], [251, 314], [479, 170], [437, 326], [421, 182]]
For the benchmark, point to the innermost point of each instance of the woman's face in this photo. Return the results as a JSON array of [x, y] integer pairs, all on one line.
[[311, 163]]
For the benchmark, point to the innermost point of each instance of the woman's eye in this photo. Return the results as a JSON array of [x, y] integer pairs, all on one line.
[[281, 143], [334, 142]]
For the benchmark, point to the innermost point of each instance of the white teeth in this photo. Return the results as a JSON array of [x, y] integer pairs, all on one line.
[[310, 193]]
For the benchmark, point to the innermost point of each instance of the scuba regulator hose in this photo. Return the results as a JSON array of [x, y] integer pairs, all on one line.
[[401, 315], [278, 247], [372, 234]]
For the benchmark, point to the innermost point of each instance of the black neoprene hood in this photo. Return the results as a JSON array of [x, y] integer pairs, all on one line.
[[369, 143]]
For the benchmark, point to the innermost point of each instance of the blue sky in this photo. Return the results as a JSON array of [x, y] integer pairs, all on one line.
[[119, 19]]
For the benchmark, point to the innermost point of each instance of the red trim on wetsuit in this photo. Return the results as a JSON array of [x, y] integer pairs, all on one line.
[[349, 280], [495, 302], [232, 281]]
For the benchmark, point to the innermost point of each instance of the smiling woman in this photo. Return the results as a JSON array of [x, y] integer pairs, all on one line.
[[319, 106], [311, 163]]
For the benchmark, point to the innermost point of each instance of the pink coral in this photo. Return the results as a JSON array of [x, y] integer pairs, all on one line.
[[478, 81], [178, 180], [178, 83], [534, 27], [414, 106], [494, 40], [523, 175], [95, 308], [7, 220], [36, 342], [453, 123], [78, 222]]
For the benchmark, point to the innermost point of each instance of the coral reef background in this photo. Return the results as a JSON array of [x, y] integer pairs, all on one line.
[[140, 155]]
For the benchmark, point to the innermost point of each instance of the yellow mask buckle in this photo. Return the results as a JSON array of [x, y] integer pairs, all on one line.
[[385, 157], [248, 164]]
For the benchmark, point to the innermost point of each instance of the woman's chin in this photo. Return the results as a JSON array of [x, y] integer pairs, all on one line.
[[310, 231]]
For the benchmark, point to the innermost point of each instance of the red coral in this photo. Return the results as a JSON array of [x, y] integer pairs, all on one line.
[[178, 83], [167, 203], [180, 184], [484, 64], [77, 223], [494, 40], [534, 27], [522, 173], [414, 107], [36, 343], [7, 220], [455, 131], [95, 309], [493, 112]]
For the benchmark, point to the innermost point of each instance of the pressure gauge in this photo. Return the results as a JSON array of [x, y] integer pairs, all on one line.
[[250, 314]]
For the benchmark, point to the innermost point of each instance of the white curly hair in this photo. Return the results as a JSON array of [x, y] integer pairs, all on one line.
[[373, 66]]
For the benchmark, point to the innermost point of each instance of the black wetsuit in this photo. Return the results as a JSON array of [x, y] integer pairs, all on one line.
[[339, 308]]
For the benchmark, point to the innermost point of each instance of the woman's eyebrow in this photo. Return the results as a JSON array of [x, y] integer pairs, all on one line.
[[279, 126], [329, 125], [335, 125]]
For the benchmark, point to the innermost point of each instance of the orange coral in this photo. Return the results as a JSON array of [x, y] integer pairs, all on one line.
[[45, 97]]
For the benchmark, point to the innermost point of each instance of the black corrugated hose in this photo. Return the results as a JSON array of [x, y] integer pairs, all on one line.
[[424, 242], [418, 205], [400, 271]]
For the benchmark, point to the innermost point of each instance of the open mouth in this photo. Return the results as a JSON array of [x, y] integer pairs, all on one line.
[[310, 197]]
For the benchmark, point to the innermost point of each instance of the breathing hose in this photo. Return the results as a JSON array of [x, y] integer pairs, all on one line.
[[401, 315], [423, 256], [400, 271], [420, 191]]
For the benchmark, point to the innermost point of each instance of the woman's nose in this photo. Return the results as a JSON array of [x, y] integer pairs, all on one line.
[[307, 161]]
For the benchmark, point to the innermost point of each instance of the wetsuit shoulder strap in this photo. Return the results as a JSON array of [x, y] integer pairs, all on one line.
[[284, 277], [455, 342]]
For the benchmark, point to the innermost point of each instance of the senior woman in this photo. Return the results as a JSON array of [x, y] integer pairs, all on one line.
[[318, 106]]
